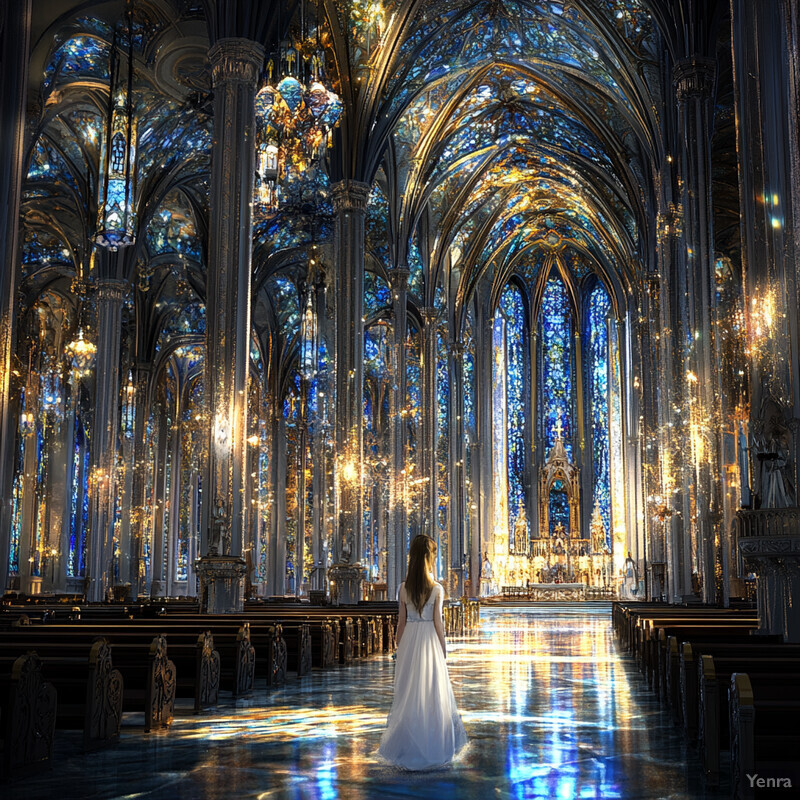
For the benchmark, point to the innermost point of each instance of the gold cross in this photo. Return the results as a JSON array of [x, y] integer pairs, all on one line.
[[559, 428]]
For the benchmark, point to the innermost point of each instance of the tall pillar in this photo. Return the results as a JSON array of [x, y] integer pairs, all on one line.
[[302, 448], [483, 403], [694, 87], [350, 211], [766, 60], [58, 472], [429, 418], [27, 536], [532, 456], [457, 454], [174, 494], [235, 65], [396, 536], [109, 296], [15, 34], [276, 550], [138, 467], [160, 491]]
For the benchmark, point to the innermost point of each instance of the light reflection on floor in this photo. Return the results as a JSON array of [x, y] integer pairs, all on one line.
[[551, 708]]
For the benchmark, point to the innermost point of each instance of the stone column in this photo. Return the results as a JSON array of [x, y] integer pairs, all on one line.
[[276, 550], [694, 87], [429, 416], [396, 536], [128, 563], [157, 587], [456, 466], [27, 533], [302, 443], [532, 456], [483, 402], [109, 296], [765, 63], [174, 494], [350, 210], [15, 32], [58, 469], [235, 65], [138, 467]]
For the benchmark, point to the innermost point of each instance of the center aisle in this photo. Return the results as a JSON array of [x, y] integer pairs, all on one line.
[[551, 708]]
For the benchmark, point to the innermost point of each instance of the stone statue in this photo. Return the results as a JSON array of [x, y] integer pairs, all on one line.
[[630, 580], [486, 576], [772, 442], [777, 490], [487, 568], [347, 548], [217, 537]]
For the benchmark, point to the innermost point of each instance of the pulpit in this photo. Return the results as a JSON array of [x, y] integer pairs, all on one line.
[[221, 583]]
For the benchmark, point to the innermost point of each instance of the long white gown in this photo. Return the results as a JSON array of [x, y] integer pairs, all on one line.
[[424, 729]]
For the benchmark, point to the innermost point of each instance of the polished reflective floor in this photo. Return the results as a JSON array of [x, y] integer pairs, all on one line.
[[552, 710]]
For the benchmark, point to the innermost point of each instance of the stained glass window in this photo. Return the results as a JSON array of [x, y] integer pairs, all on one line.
[[512, 307], [442, 448], [413, 421], [595, 337], [556, 327], [377, 295], [469, 428], [79, 503], [558, 509]]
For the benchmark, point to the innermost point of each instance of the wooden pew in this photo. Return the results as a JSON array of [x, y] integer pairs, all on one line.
[[198, 671], [690, 652], [27, 716], [715, 673], [764, 737], [650, 655], [323, 644], [141, 657], [90, 690]]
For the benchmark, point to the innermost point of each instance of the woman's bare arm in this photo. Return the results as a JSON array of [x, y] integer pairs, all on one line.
[[401, 614], [438, 622]]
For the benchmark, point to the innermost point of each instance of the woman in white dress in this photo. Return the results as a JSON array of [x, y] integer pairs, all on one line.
[[424, 729]]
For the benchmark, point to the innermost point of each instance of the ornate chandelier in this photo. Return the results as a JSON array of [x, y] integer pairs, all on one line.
[[116, 209], [82, 354], [294, 119]]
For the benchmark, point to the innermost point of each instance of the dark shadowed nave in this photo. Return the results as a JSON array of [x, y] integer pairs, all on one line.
[[553, 710]]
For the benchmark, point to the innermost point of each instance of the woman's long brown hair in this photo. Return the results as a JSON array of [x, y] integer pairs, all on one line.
[[421, 563]]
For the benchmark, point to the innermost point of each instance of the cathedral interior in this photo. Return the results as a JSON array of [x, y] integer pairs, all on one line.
[[290, 282]]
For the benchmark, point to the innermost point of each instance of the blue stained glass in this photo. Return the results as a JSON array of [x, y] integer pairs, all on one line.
[[16, 509], [377, 294], [75, 526], [79, 57], [39, 246], [558, 510], [377, 344], [469, 375], [172, 229], [442, 447], [188, 320], [512, 305], [416, 278], [377, 225], [596, 346], [413, 420], [557, 376]]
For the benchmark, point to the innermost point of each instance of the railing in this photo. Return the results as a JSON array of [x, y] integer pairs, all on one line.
[[461, 616], [768, 523], [559, 591]]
